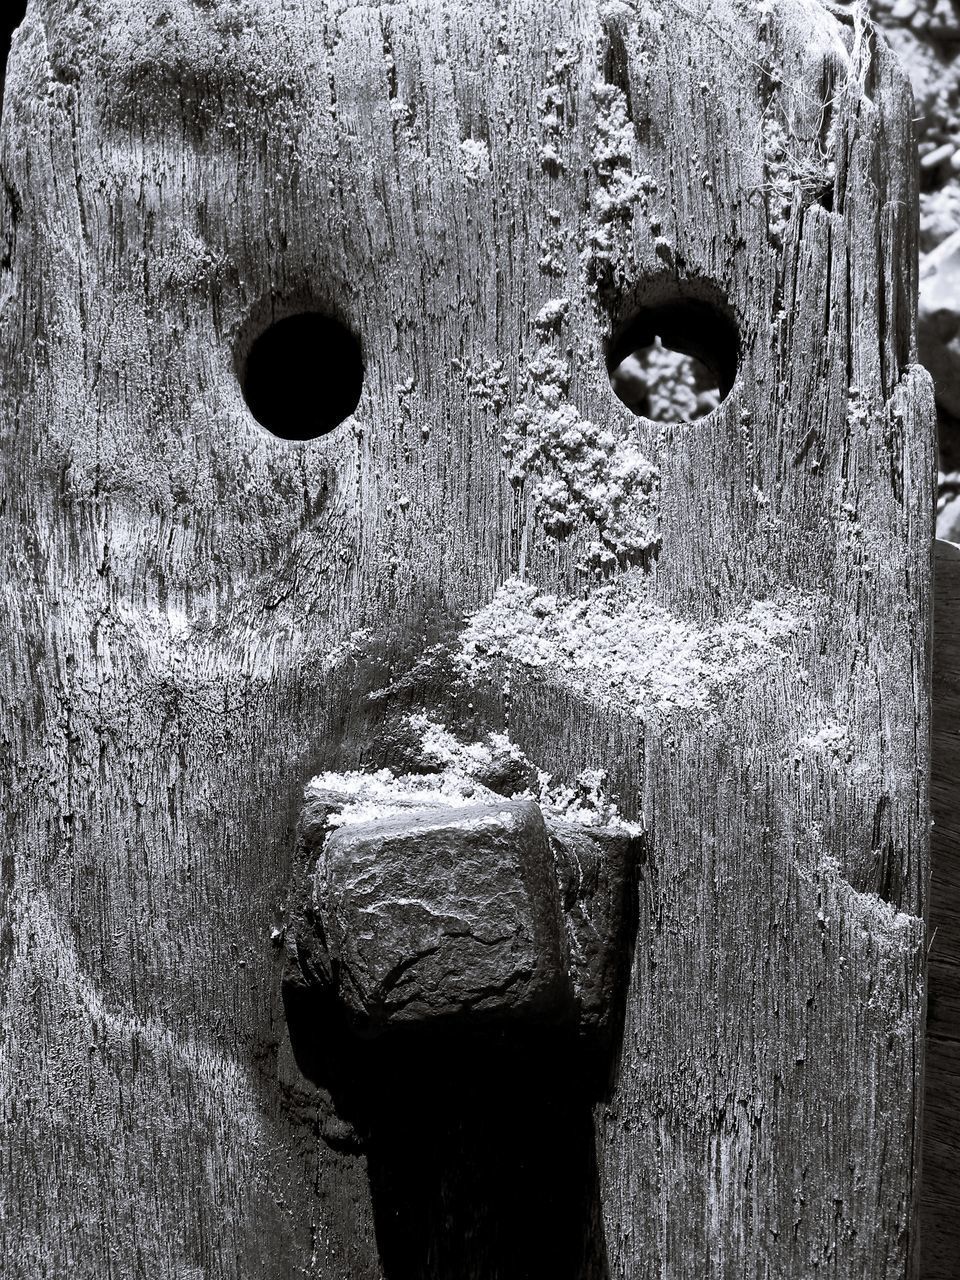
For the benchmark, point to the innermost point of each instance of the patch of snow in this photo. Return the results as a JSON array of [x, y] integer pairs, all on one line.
[[618, 646]]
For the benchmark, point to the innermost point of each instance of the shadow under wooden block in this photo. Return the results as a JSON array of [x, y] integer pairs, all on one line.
[[454, 985]]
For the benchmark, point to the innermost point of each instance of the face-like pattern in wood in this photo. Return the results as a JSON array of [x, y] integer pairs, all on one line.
[[482, 581]]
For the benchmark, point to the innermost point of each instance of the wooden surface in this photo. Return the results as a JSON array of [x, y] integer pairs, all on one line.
[[199, 617], [940, 1209]]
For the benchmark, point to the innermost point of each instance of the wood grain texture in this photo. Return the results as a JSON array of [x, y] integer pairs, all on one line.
[[940, 1208], [198, 615]]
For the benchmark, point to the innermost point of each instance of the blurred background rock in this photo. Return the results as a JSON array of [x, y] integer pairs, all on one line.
[[926, 35]]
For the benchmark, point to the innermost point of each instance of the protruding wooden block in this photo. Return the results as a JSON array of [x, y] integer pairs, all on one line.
[[467, 911], [444, 913]]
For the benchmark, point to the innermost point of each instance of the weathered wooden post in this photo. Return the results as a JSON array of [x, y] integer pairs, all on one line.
[[596, 949]]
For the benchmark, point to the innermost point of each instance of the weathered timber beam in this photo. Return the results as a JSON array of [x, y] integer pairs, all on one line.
[[320, 464], [940, 1207]]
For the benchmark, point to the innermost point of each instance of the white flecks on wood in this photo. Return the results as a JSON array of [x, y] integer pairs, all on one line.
[[614, 645]]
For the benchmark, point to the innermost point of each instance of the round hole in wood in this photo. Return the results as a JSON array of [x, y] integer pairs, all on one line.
[[303, 376], [676, 360]]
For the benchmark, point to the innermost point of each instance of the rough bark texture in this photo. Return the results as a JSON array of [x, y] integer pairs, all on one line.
[[728, 617]]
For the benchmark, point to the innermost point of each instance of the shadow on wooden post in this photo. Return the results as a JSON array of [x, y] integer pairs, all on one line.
[[480, 1148]]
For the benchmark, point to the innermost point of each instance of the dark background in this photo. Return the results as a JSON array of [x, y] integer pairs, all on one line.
[[11, 15]]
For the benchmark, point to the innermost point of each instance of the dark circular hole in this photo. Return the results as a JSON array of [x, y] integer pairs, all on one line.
[[675, 361], [303, 376]]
